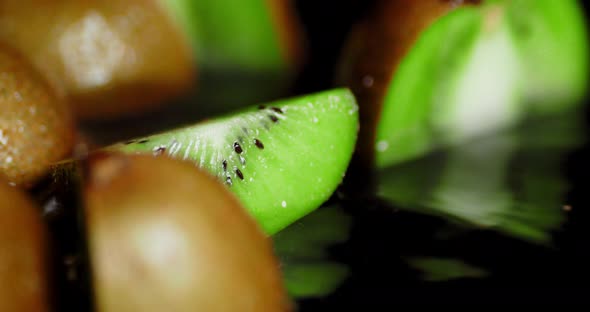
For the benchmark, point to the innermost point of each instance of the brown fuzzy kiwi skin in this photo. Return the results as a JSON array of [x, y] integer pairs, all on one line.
[[373, 51], [165, 236], [36, 126], [114, 58], [24, 277]]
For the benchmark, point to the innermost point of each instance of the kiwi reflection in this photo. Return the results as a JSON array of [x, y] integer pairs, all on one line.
[[303, 249], [510, 182], [444, 269]]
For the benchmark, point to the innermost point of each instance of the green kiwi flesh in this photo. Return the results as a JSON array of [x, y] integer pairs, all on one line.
[[480, 69], [282, 160], [552, 42]]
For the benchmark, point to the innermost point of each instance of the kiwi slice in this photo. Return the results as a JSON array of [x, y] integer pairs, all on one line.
[[373, 55], [460, 80], [282, 159]]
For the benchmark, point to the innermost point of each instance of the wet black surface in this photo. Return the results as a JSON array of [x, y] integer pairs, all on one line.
[[519, 238]]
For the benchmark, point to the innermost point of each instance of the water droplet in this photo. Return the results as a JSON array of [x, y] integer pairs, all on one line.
[[9, 159], [368, 81], [315, 120], [284, 204], [382, 146]]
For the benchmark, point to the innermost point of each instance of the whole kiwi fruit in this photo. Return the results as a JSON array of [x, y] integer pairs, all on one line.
[[165, 236], [36, 126], [114, 58], [23, 254]]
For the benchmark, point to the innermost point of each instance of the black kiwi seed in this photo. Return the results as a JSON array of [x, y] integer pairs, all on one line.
[[273, 118], [276, 109], [224, 163], [240, 174], [258, 144], [237, 148], [228, 181], [143, 141], [261, 107]]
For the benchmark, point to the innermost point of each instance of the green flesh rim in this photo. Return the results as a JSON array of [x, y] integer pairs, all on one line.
[[292, 154], [404, 131], [479, 69], [229, 34], [552, 40]]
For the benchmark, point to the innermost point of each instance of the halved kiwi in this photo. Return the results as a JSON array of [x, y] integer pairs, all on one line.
[[36, 127], [114, 58], [445, 72], [282, 159], [164, 235], [24, 263]]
